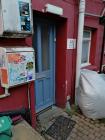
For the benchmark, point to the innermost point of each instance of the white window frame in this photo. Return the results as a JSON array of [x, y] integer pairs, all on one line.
[[87, 39]]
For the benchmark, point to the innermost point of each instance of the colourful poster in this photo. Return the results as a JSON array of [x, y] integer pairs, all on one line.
[[21, 67]]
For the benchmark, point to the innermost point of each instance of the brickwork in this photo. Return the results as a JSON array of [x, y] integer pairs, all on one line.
[[87, 129]]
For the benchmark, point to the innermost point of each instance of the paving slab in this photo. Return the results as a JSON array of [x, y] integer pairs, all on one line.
[[87, 129], [84, 129], [23, 131]]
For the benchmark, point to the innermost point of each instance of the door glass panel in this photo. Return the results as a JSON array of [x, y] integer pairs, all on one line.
[[45, 47], [36, 61], [36, 48]]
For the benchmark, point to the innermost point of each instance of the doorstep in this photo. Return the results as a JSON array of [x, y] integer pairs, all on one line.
[[23, 131]]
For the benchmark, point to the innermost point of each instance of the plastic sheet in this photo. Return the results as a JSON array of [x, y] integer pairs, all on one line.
[[91, 94]]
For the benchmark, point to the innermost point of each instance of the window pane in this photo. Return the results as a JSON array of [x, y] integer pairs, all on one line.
[[36, 61], [45, 47], [86, 34], [36, 49], [85, 51]]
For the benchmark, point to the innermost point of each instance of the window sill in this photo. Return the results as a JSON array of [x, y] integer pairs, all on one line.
[[90, 67], [85, 65]]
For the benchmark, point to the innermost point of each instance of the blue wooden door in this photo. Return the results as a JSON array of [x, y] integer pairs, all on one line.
[[45, 65]]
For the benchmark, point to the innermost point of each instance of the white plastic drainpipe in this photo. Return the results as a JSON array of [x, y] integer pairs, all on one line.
[[79, 41]]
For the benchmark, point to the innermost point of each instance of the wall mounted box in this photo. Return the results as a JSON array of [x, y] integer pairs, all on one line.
[[54, 9], [17, 66], [16, 18]]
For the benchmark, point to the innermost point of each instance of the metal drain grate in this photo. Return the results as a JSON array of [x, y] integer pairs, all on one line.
[[61, 128]]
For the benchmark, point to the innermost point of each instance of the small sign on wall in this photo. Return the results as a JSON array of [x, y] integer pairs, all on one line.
[[71, 43]]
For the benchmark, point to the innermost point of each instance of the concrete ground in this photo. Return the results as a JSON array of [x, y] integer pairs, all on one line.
[[85, 129]]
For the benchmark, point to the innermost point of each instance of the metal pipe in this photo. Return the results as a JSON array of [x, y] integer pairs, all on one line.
[[103, 12], [79, 41], [5, 95], [94, 15]]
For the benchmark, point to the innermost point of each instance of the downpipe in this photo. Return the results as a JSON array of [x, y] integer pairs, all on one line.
[[82, 6]]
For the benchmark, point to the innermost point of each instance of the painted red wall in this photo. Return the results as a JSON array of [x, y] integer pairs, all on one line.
[[65, 62], [60, 63], [65, 77]]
